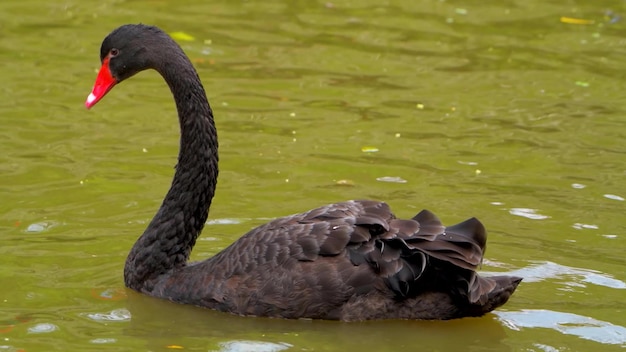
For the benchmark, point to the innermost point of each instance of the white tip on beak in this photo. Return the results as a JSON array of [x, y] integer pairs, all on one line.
[[91, 98]]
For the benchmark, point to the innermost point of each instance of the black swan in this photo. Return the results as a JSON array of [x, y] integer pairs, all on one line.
[[347, 261]]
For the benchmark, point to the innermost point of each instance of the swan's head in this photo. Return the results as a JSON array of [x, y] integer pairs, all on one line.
[[124, 52]]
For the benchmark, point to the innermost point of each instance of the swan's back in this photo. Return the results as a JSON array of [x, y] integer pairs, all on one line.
[[350, 261]]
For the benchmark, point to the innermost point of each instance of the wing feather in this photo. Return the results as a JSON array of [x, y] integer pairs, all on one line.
[[363, 243]]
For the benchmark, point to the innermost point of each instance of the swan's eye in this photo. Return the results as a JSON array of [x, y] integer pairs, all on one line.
[[113, 52]]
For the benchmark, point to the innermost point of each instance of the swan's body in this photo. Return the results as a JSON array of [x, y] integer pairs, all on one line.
[[349, 261]]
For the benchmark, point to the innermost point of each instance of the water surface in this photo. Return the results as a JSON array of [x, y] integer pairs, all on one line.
[[493, 109]]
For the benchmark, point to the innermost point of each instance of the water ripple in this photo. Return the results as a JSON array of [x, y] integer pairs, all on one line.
[[234, 221], [103, 340], [257, 346], [41, 226], [114, 315], [566, 323], [580, 226], [614, 197], [549, 270], [546, 347], [527, 213], [42, 328], [392, 179]]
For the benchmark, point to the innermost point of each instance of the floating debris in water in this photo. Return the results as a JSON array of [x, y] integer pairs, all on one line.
[[345, 183], [369, 149], [392, 179], [614, 197], [572, 20], [182, 36], [527, 213], [578, 185]]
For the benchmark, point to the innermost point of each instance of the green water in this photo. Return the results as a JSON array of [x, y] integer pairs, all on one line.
[[493, 109]]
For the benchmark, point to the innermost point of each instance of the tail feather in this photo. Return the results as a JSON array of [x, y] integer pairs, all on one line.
[[489, 293], [430, 225], [425, 265], [471, 230], [462, 244]]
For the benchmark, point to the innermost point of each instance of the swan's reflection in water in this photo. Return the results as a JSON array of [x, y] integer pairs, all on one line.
[[160, 324]]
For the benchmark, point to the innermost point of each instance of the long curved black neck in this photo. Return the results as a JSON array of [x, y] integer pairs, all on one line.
[[167, 241]]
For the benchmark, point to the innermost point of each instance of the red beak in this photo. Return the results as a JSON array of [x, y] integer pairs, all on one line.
[[104, 83]]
